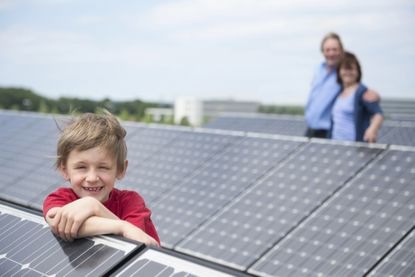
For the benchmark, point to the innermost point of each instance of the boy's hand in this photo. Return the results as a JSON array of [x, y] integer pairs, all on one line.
[[132, 232], [65, 221]]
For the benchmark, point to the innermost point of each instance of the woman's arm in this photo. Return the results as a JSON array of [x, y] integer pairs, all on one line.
[[371, 132]]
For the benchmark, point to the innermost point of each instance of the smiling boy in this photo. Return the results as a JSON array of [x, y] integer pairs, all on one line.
[[91, 156]]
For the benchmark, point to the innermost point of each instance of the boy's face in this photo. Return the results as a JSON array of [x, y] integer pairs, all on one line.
[[92, 172]]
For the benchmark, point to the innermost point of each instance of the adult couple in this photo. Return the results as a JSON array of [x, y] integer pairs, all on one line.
[[339, 105]]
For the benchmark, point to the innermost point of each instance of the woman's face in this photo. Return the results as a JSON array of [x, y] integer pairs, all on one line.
[[349, 74]]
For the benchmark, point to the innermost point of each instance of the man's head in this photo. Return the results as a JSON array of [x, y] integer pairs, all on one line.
[[332, 49], [91, 154]]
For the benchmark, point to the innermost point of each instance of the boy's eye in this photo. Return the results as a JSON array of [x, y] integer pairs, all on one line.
[[104, 167], [80, 167]]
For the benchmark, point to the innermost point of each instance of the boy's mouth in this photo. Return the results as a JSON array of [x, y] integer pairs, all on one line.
[[93, 189]]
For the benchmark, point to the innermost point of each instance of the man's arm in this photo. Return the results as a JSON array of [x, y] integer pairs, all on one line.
[[371, 96]]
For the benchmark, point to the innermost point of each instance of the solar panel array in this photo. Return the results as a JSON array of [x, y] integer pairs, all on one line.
[[226, 202], [398, 132]]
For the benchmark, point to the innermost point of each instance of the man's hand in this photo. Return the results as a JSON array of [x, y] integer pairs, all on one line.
[[132, 232], [65, 221], [371, 96]]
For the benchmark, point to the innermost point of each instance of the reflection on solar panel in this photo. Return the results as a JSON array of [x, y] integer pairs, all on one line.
[[28, 248], [164, 264], [269, 210], [216, 184], [401, 263], [353, 230], [177, 160]]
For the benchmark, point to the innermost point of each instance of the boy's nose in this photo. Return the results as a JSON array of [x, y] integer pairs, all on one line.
[[92, 177]]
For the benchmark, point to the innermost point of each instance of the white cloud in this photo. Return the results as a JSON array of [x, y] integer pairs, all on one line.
[[5, 5]]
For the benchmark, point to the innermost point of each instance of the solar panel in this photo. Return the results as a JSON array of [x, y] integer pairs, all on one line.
[[267, 212], [148, 140], [27, 160], [28, 247], [400, 135], [168, 167], [155, 262], [260, 123], [355, 229], [216, 184], [401, 262]]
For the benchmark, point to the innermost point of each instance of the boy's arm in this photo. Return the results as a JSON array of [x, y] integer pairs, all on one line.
[[98, 226], [65, 221]]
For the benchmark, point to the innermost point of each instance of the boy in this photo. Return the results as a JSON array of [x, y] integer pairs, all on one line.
[[91, 155]]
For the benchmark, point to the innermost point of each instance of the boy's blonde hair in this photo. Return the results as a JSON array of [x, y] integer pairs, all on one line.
[[92, 130]]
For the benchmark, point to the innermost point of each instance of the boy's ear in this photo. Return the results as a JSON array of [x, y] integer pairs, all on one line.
[[122, 174], [64, 172]]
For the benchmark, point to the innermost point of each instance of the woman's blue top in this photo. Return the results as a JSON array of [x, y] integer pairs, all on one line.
[[343, 118]]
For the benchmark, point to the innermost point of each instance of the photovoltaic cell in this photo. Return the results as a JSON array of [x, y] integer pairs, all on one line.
[[400, 263], [165, 169], [350, 233], [164, 264], [27, 246], [216, 184], [267, 212]]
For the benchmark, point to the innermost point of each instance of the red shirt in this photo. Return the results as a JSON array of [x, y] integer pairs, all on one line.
[[127, 205]]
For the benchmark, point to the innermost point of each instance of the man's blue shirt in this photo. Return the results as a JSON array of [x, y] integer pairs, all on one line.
[[324, 90]]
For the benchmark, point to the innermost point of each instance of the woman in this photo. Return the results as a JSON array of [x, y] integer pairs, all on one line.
[[354, 118]]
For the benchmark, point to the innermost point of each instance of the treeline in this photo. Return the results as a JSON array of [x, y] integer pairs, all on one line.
[[273, 109], [26, 100]]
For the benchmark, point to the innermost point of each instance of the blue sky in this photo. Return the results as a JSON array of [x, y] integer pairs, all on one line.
[[261, 50]]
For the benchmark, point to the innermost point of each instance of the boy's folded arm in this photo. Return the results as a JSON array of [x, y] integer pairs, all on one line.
[[65, 221], [95, 225]]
